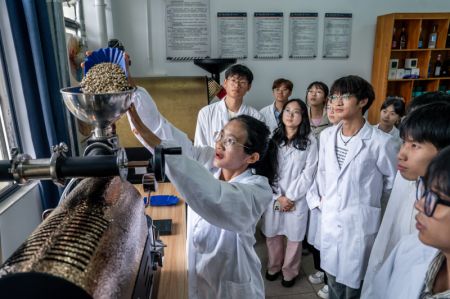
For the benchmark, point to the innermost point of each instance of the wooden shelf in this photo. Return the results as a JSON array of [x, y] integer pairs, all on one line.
[[418, 79], [411, 50], [414, 24], [420, 50]]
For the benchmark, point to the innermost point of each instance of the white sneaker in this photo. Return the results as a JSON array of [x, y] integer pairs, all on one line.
[[323, 292], [316, 278]]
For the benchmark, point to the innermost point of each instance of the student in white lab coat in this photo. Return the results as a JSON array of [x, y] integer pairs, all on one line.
[[416, 270], [391, 112], [425, 131], [316, 99], [314, 198], [282, 90], [212, 118], [359, 168], [286, 216], [224, 205]]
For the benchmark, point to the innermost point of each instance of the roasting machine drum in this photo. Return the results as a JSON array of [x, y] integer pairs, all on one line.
[[98, 242], [89, 247]]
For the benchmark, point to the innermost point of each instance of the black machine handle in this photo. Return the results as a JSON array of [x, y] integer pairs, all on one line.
[[90, 166], [157, 165], [172, 151]]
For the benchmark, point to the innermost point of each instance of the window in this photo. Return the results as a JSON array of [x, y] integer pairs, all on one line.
[[8, 132]]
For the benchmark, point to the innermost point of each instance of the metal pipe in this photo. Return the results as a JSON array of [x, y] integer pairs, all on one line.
[[101, 18], [35, 169], [80, 18]]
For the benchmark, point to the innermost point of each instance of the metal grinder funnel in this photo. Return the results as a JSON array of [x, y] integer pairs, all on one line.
[[99, 110]]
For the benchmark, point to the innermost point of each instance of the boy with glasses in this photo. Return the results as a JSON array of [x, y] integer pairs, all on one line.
[[212, 118], [425, 131], [282, 90], [398, 220], [418, 267], [359, 168]]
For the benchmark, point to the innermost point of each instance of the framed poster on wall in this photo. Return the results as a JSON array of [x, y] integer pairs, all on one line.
[[268, 35], [303, 30], [187, 30], [232, 34], [337, 35]]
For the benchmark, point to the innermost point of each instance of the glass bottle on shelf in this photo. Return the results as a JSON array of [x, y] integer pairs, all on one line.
[[437, 66], [433, 38], [430, 69], [420, 45], [445, 69], [394, 40], [403, 38]]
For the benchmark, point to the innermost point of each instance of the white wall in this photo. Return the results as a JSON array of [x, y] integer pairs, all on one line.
[[140, 25]]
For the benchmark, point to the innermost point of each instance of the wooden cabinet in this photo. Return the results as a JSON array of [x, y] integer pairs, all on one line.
[[416, 25]]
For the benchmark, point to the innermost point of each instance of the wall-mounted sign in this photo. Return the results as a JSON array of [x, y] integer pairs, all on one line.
[[187, 29], [232, 34], [337, 35], [268, 35], [303, 30]]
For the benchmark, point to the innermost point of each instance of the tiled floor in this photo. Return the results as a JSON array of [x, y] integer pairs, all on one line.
[[302, 288]]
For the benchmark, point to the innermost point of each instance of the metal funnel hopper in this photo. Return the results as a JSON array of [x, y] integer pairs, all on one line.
[[215, 65], [99, 110]]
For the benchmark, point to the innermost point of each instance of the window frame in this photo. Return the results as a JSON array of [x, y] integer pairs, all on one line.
[[12, 138]]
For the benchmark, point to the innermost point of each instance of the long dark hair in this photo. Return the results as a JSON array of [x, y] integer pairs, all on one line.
[[259, 141], [301, 138]]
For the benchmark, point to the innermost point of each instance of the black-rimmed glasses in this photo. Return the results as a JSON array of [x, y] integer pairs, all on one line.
[[431, 198]]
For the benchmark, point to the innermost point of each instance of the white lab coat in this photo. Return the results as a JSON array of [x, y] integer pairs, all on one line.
[[269, 116], [315, 193], [213, 118], [402, 276], [222, 262], [394, 133], [398, 221], [351, 209], [296, 170]]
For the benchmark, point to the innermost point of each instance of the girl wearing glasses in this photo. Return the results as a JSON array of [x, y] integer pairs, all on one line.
[[224, 206], [286, 216], [422, 269], [316, 98]]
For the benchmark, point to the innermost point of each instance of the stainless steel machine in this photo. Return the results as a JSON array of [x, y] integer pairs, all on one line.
[[98, 242]]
